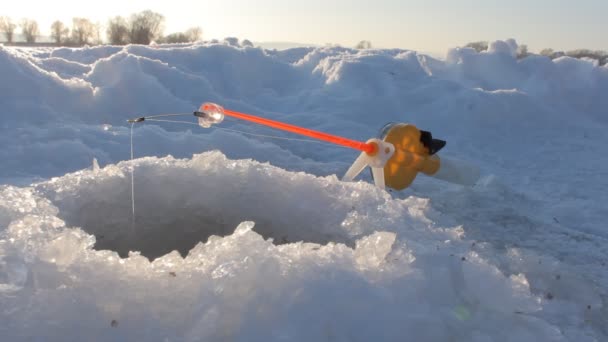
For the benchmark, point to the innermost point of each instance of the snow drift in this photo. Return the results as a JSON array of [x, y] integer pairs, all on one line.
[[345, 91], [276, 247]]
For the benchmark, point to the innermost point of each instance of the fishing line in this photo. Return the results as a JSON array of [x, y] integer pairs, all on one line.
[[144, 118], [132, 183], [166, 115], [247, 133], [173, 121]]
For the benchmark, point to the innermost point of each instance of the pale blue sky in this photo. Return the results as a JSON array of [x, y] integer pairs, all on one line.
[[427, 25]]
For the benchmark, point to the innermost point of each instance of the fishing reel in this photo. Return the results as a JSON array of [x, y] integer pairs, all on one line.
[[403, 152]]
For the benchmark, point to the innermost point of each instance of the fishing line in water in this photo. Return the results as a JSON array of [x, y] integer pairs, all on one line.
[[132, 166], [132, 183]]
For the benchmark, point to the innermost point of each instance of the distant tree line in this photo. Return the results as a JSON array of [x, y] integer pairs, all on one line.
[[600, 56], [522, 51], [139, 28], [364, 44]]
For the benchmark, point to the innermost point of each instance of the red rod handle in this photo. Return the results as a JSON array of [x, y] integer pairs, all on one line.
[[357, 145]]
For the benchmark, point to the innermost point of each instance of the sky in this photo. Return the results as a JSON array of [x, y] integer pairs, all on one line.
[[431, 25]]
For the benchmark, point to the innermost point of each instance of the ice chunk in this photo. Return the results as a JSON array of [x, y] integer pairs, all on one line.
[[371, 251], [13, 272], [95, 166]]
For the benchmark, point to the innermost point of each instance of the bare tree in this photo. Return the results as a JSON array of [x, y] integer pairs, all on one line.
[[598, 55], [194, 34], [175, 38], [29, 29], [478, 46], [191, 35], [59, 32], [146, 26], [8, 28], [522, 51], [546, 52], [551, 53], [97, 33], [118, 31], [364, 44], [82, 31]]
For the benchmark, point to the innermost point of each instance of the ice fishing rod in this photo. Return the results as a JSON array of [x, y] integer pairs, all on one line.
[[211, 113], [396, 157]]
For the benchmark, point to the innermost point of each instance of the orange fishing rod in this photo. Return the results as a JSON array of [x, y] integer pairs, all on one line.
[[211, 113]]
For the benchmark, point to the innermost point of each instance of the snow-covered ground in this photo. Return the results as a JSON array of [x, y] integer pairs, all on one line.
[[244, 237]]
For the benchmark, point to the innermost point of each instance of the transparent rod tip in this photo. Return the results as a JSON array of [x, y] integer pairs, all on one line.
[[209, 114]]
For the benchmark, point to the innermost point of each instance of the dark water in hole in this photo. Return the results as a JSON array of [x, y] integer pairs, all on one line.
[[157, 234]]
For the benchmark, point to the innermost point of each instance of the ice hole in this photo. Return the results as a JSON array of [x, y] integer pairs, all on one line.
[[176, 211]]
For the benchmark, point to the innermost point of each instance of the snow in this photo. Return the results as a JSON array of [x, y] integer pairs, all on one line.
[[243, 237]]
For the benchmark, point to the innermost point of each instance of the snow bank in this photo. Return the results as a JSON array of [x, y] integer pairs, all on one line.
[[340, 90]]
